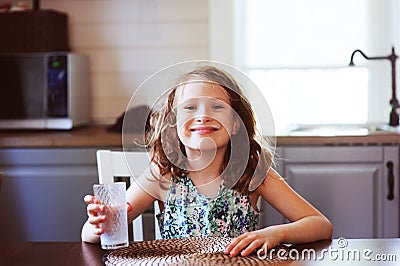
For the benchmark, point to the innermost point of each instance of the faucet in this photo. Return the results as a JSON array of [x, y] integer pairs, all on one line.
[[394, 113]]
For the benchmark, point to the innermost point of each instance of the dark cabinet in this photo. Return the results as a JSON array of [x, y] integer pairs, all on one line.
[[42, 193]]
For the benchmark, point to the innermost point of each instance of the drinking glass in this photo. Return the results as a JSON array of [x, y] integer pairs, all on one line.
[[113, 196]]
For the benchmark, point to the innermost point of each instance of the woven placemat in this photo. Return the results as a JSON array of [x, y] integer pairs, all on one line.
[[183, 251]]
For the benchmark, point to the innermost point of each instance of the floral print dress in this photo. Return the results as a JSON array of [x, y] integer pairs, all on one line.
[[188, 213]]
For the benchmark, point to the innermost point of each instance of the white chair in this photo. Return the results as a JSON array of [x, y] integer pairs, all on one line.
[[114, 164]]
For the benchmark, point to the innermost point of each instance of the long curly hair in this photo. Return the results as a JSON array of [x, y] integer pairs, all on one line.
[[162, 137]]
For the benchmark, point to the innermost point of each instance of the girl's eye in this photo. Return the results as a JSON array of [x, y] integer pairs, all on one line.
[[218, 107], [190, 107]]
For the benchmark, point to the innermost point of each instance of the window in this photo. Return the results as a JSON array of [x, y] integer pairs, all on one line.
[[297, 52], [314, 96]]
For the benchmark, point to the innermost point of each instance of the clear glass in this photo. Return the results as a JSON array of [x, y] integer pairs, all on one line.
[[113, 196]]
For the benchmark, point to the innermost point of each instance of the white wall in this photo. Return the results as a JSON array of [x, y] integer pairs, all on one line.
[[128, 40]]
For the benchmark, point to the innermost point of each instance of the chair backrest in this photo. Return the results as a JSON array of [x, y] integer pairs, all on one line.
[[112, 164]]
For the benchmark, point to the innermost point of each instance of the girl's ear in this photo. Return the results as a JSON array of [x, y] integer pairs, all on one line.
[[236, 126]]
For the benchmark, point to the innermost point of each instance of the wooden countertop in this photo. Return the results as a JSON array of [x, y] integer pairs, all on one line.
[[88, 136], [379, 138], [97, 136]]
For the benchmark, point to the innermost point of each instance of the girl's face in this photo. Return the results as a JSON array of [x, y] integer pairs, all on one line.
[[205, 118]]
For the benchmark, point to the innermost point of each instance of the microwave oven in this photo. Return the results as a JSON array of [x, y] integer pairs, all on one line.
[[44, 90]]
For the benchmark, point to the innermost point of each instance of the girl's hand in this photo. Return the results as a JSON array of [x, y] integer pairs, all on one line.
[[248, 242], [94, 209]]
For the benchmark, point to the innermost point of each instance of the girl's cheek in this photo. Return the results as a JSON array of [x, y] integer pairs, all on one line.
[[183, 118], [180, 125], [225, 120]]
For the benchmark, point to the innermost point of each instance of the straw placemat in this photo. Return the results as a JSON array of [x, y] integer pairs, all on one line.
[[183, 251]]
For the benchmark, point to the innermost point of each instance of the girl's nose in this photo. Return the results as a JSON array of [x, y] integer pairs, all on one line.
[[202, 114], [202, 119]]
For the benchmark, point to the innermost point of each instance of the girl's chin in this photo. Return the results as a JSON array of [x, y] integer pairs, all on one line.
[[202, 147], [205, 144]]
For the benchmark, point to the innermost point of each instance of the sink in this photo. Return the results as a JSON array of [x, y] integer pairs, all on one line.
[[340, 130]]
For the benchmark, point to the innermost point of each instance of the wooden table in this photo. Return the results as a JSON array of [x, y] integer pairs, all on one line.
[[50, 253], [335, 252]]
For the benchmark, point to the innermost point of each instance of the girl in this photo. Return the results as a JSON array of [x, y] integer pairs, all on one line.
[[209, 169]]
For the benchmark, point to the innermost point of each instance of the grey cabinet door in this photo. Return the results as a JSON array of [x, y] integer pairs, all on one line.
[[346, 194], [350, 185], [42, 193]]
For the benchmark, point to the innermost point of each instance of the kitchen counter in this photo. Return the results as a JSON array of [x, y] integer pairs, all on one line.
[[377, 138], [88, 136], [97, 136]]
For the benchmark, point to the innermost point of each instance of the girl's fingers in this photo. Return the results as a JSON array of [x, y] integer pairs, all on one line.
[[234, 243], [99, 231], [238, 245], [94, 209], [96, 220], [231, 245], [250, 248], [88, 199]]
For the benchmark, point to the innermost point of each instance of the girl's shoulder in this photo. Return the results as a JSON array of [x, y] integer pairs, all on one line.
[[268, 181], [153, 182]]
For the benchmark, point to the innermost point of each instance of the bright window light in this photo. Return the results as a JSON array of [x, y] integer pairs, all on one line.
[[314, 96], [297, 53]]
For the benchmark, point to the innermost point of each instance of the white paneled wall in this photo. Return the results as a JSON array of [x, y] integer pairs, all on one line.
[[128, 40]]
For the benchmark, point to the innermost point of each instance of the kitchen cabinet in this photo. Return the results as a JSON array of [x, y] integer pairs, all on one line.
[[356, 187], [42, 193], [41, 197]]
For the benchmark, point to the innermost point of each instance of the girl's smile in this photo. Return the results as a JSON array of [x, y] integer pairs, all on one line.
[[203, 112], [204, 129]]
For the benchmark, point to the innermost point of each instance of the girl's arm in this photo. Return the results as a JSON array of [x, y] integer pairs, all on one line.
[[139, 198], [307, 223], [141, 194]]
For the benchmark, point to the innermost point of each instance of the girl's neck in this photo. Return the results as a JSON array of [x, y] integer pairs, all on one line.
[[206, 166]]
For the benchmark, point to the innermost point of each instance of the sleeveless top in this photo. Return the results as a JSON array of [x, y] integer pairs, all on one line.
[[188, 213]]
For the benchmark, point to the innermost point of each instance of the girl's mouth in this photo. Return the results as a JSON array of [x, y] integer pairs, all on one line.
[[201, 129]]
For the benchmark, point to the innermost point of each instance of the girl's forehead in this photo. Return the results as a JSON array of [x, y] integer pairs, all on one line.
[[200, 88]]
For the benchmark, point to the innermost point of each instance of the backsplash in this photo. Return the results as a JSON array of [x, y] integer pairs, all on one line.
[[128, 40]]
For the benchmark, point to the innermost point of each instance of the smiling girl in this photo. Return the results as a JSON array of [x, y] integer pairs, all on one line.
[[209, 169]]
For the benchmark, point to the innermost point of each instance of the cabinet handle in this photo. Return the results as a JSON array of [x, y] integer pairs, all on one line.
[[389, 165]]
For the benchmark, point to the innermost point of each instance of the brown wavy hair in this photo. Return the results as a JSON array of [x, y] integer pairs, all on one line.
[[162, 137]]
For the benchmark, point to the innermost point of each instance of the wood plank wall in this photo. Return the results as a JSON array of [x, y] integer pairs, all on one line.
[[128, 40]]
